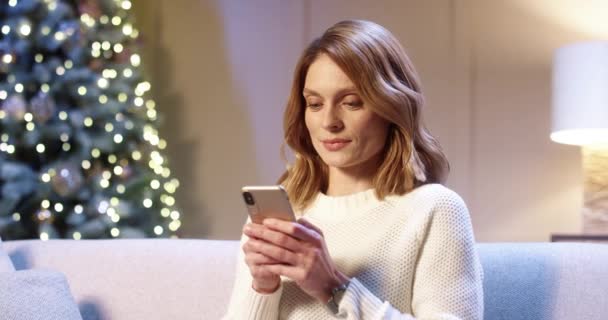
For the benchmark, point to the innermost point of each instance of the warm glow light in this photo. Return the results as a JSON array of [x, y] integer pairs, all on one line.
[[158, 230], [126, 5], [589, 21], [135, 60], [102, 83], [60, 36], [173, 226], [147, 203], [7, 58], [127, 29], [25, 29], [581, 137], [116, 20]]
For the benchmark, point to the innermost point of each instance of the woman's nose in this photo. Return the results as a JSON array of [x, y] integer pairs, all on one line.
[[332, 119]]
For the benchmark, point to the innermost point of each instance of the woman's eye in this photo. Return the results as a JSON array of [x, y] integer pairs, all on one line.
[[354, 104], [313, 105]]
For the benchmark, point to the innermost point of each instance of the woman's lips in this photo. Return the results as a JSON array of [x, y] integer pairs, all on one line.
[[335, 144]]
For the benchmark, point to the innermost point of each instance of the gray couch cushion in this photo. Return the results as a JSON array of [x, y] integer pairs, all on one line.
[[138, 278], [545, 281], [36, 294]]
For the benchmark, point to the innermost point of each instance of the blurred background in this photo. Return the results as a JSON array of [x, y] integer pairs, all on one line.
[[221, 71]]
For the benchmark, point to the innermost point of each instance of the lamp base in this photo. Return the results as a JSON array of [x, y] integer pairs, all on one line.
[[595, 207], [595, 222]]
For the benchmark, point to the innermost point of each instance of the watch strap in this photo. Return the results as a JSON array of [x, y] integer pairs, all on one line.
[[336, 296]]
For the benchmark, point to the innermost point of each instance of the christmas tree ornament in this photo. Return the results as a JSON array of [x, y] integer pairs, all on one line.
[[71, 70], [45, 215], [67, 179], [42, 107], [14, 107], [96, 64], [127, 172], [91, 8]]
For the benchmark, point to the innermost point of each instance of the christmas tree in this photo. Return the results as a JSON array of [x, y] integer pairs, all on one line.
[[80, 154]]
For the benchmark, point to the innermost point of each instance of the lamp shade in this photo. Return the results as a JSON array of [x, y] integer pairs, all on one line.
[[580, 94]]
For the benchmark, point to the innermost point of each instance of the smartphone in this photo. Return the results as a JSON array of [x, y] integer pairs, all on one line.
[[267, 202]]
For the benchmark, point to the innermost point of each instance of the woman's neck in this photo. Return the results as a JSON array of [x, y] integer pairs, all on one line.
[[344, 182]]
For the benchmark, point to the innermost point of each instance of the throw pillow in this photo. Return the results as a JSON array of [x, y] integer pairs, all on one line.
[[6, 265], [36, 294]]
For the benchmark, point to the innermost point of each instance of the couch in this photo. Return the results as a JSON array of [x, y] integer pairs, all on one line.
[[192, 279]]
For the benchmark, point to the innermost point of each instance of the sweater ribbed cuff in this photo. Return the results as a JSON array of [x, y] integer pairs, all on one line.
[[359, 301], [263, 306]]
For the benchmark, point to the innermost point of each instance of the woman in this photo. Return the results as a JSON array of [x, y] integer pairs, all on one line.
[[379, 237]]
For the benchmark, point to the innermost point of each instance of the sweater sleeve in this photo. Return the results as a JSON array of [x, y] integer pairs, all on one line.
[[448, 275], [246, 303]]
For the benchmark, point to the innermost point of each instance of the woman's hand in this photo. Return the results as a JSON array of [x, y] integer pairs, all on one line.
[[298, 251], [264, 281]]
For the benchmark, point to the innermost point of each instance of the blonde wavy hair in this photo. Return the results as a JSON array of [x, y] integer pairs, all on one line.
[[389, 85]]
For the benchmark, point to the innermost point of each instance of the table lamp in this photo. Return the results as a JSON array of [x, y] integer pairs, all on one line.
[[580, 117]]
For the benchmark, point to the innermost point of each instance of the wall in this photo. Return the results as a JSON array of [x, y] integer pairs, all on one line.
[[221, 71]]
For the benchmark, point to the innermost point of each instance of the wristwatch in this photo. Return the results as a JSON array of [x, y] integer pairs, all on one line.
[[336, 295]]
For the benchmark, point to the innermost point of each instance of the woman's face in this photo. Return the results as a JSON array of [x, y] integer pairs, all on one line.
[[344, 131]]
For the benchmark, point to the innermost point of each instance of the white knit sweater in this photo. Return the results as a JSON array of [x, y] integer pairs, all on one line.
[[409, 257]]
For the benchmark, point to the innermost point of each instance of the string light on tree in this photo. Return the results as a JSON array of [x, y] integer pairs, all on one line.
[[25, 29], [126, 5], [75, 98]]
